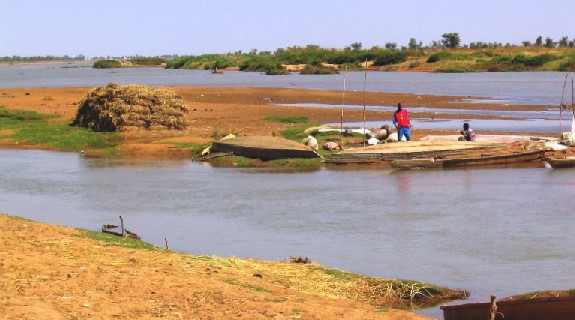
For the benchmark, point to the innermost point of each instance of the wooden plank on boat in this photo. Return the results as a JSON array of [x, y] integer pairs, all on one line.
[[407, 150], [264, 147], [557, 308]]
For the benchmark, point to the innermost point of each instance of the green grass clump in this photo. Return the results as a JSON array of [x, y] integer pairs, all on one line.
[[293, 119], [195, 148], [414, 64], [12, 116], [246, 285], [296, 133], [32, 127]]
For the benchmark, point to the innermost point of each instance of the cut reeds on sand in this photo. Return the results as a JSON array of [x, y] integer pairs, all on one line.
[[130, 108]]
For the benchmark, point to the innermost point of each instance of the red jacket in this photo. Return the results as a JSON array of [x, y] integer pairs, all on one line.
[[401, 119]]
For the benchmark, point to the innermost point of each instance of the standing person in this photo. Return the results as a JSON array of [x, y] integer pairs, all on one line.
[[401, 122], [467, 133]]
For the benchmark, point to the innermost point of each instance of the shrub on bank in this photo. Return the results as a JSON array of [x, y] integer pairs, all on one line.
[[318, 69], [106, 64], [568, 65], [389, 57], [145, 61]]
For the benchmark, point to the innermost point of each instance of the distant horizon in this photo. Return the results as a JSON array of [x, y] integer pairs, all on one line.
[[191, 27], [463, 46]]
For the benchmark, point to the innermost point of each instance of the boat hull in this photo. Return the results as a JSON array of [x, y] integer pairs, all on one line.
[[483, 161], [559, 163], [264, 148], [562, 308]]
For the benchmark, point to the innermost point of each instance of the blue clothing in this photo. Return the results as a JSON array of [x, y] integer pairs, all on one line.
[[403, 131]]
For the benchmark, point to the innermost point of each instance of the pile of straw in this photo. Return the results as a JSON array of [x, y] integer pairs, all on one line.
[[129, 108]]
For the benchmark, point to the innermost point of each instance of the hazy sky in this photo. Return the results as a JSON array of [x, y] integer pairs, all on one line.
[[156, 27]]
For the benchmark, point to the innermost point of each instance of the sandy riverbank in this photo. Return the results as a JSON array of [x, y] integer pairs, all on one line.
[[53, 272], [239, 111]]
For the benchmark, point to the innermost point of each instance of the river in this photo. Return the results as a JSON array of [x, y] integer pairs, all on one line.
[[541, 88]]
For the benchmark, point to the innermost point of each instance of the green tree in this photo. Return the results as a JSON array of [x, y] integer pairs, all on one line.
[[436, 44], [390, 45], [451, 40], [539, 41], [356, 46], [548, 42], [526, 43], [412, 44], [564, 42]]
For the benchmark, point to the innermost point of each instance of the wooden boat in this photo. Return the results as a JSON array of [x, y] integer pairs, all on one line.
[[461, 161], [494, 160], [264, 148], [561, 308], [386, 153], [559, 163]]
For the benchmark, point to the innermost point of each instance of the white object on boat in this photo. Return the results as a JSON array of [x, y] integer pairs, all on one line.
[[372, 141], [554, 145]]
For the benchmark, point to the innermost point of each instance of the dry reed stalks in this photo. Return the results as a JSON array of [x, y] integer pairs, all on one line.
[[131, 107]]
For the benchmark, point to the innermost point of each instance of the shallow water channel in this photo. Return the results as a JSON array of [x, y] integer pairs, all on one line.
[[489, 231]]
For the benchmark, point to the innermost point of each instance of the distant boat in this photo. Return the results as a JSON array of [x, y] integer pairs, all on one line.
[[216, 71]]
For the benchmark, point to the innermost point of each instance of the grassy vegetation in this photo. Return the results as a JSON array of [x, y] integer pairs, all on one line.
[[138, 61], [435, 59], [106, 64], [195, 148], [112, 240], [145, 61], [294, 119], [545, 293], [246, 285], [32, 127], [535, 58], [318, 69]]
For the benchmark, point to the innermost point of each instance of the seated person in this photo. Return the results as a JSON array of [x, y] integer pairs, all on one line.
[[467, 133]]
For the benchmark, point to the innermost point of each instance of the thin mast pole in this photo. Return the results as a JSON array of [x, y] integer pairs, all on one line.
[[572, 109], [342, 104], [561, 105], [364, 84]]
